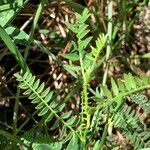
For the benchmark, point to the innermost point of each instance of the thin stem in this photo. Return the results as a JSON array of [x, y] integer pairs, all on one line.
[[105, 75], [108, 51], [109, 32], [35, 21], [81, 64], [109, 28], [15, 116]]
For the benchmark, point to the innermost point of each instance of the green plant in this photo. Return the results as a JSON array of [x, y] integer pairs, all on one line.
[[101, 110], [109, 103]]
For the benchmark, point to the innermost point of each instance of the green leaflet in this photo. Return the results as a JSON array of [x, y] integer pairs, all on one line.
[[51, 146], [71, 56], [66, 115], [72, 68], [73, 120], [114, 87], [74, 143]]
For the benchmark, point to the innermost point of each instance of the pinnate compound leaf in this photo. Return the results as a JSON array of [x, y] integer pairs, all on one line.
[[60, 107], [25, 75], [85, 42], [30, 78], [82, 34], [67, 138], [36, 100], [27, 92], [72, 27], [73, 68], [39, 106], [127, 82], [23, 86], [63, 133], [121, 86], [32, 96], [18, 76]]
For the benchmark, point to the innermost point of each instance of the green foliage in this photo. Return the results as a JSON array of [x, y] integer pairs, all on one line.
[[132, 126], [142, 100], [101, 110], [45, 104], [40, 141], [13, 49], [9, 10], [124, 117], [109, 100], [122, 88], [86, 60]]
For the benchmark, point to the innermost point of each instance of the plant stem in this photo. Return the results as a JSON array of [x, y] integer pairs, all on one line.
[[108, 51], [35, 21], [16, 111], [84, 95], [109, 28], [109, 32]]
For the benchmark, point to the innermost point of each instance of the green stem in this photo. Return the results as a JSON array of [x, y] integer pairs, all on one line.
[[84, 94], [105, 74], [108, 51], [35, 21], [109, 29]]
